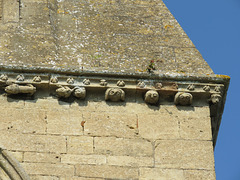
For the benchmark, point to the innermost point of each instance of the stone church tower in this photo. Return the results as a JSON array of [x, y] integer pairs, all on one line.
[[104, 89]]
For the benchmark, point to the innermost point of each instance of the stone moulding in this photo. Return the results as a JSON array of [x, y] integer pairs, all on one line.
[[10, 167], [163, 84]]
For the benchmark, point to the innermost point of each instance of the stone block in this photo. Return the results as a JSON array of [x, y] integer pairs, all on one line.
[[108, 172], [184, 154], [159, 126], [10, 11], [34, 177], [30, 142], [17, 155], [122, 147], [199, 175], [64, 122], [80, 145], [161, 174], [111, 124], [79, 178], [83, 159], [41, 157], [48, 169], [130, 161], [195, 128]]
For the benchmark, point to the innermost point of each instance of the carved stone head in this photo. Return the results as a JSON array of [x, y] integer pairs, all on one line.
[[114, 94], [64, 91], [215, 98], [80, 92], [151, 97], [183, 99]]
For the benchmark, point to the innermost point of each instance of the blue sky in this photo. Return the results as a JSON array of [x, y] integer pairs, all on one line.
[[214, 28]]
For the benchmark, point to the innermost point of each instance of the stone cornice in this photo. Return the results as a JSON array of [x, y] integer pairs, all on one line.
[[183, 88]]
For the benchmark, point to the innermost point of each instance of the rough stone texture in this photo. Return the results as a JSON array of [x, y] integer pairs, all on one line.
[[112, 35]]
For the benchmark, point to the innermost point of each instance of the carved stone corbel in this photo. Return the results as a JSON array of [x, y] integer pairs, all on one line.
[[64, 91], [215, 98], [114, 94], [17, 89], [79, 92], [151, 97], [183, 98]]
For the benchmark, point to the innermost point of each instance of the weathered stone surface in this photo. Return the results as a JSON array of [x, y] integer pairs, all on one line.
[[184, 154], [80, 178], [161, 174], [41, 157], [158, 126], [36, 177], [17, 155], [112, 172], [64, 122], [49, 169], [111, 124], [115, 36], [199, 175], [83, 159], [30, 142], [79, 145], [130, 161], [122, 146]]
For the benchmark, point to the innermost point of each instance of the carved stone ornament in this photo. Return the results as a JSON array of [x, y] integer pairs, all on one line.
[[114, 94], [215, 98], [17, 89], [151, 97], [20, 77], [37, 79], [4, 77], [174, 86], [103, 82], [182, 98], [158, 85], [121, 83], [64, 91], [191, 87], [218, 89], [54, 80], [206, 88], [79, 92], [70, 81], [141, 84], [86, 82]]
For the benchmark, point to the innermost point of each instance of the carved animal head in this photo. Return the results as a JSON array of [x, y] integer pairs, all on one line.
[[215, 98], [80, 92], [12, 89], [151, 97], [114, 94], [64, 91], [183, 98]]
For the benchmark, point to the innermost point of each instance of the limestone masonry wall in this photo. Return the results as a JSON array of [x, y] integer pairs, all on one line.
[[95, 139]]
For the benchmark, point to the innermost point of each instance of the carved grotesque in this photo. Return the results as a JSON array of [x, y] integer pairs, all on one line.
[[20, 77], [183, 99], [114, 94], [218, 89], [121, 83], [158, 85], [215, 98], [54, 80], [151, 97], [16, 89], [64, 91], [4, 77], [37, 79], [174, 86], [141, 84], [103, 82], [79, 92], [86, 82], [70, 81], [206, 88], [191, 87]]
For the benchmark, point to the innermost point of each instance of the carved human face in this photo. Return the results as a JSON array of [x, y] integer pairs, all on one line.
[[183, 99], [115, 94], [151, 97]]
